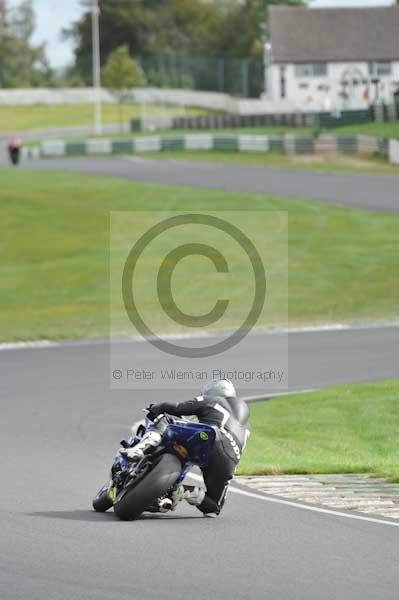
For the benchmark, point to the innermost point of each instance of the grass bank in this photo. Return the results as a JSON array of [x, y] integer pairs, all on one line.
[[346, 429], [320, 162], [388, 130], [40, 116], [344, 263], [277, 130]]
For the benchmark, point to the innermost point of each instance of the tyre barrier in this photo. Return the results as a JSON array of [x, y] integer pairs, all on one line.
[[287, 144]]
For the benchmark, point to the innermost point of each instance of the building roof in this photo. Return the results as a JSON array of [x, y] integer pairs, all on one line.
[[303, 35]]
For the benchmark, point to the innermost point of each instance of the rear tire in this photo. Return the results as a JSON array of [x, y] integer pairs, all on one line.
[[159, 480], [102, 502]]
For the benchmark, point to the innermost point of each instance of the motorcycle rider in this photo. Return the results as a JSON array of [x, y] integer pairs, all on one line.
[[14, 149], [219, 407]]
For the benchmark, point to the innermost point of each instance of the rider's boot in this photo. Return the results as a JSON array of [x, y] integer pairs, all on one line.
[[150, 440], [194, 495]]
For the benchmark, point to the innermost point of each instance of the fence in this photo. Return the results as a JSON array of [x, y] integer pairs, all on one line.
[[237, 77], [288, 144]]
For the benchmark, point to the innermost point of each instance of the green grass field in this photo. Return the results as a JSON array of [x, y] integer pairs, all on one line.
[[319, 162], [386, 130], [343, 265], [40, 116], [281, 130], [346, 429]]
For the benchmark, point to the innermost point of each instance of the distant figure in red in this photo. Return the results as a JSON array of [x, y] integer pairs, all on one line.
[[14, 150]]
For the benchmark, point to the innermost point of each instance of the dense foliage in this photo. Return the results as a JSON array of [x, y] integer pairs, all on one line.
[[208, 44], [121, 71], [22, 64], [199, 44]]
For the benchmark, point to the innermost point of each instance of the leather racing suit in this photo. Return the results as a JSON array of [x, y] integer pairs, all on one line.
[[229, 417]]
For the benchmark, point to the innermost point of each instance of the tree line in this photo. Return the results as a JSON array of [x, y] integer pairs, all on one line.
[[201, 44], [22, 64], [205, 44]]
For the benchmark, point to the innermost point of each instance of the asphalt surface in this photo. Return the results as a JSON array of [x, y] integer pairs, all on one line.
[[369, 192], [61, 424]]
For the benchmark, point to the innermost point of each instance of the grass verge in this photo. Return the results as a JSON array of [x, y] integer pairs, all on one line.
[[344, 263], [346, 429], [388, 130], [277, 130], [41, 116], [53, 117], [320, 162]]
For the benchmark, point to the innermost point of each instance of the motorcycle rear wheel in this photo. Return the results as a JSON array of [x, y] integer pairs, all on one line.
[[130, 504]]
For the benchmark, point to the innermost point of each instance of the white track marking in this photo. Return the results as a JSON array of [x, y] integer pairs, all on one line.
[[325, 511], [266, 395], [28, 345], [328, 327], [313, 508]]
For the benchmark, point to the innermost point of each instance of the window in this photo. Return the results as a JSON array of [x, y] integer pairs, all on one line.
[[311, 70], [379, 69]]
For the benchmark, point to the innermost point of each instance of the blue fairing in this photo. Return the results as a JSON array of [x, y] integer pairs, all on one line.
[[192, 442], [197, 439]]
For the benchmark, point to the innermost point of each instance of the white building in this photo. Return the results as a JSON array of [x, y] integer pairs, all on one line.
[[333, 58]]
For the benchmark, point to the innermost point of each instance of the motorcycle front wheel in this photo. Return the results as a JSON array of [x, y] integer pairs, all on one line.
[[102, 502], [135, 500]]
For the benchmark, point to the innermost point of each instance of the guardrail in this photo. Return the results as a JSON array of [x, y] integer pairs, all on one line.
[[287, 144]]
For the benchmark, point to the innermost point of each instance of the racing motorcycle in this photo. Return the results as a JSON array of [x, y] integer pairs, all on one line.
[[14, 151], [148, 485]]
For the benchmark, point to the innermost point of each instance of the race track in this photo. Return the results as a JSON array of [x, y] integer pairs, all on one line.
[[369, 192], [59, 429], [60, 425]]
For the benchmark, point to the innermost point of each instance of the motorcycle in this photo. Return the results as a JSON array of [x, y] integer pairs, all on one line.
[[14, 151], [147, 485]]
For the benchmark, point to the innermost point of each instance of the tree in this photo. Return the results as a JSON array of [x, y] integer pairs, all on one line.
[[188, 30], [242, 32], [120, 73], [21, 63], [150, 27], [23, 23]]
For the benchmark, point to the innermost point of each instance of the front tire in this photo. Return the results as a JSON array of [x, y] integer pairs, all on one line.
[[102, 502], [129, 505]]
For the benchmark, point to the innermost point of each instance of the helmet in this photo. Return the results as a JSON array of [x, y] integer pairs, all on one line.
[[219, 388]]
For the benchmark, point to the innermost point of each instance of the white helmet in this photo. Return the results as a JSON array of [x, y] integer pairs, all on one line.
[[219, 388]]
